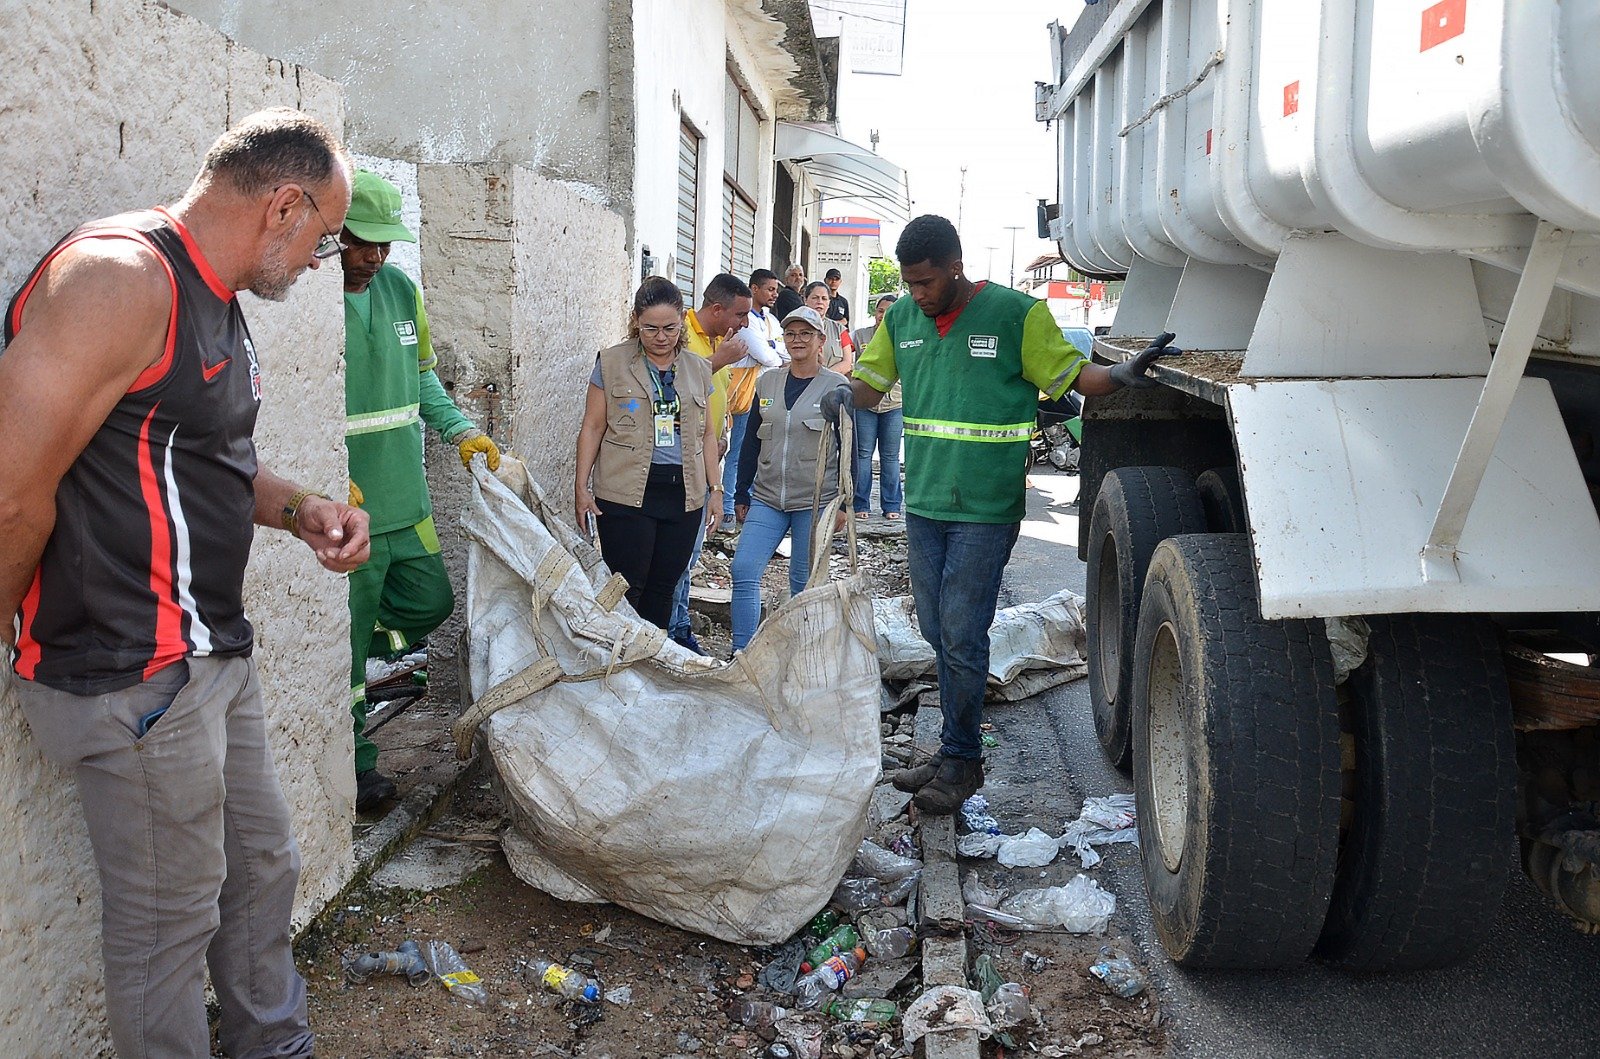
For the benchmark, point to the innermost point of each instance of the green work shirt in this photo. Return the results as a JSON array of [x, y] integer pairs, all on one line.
[[390, 390], [971, 398]]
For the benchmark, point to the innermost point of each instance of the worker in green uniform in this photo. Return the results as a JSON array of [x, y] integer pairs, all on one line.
[[973, 359], [402, 593]]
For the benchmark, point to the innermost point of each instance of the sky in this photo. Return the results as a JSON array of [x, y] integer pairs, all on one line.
[[966, 99]]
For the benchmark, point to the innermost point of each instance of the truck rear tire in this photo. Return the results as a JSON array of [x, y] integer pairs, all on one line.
[[1430, 845], [1235, 762], [1136, 509], [1223, 500]]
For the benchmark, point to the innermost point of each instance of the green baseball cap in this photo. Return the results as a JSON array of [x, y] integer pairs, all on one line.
[[375, 210]]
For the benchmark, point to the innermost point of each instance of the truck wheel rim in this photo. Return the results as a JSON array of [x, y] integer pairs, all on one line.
[[1168, 742], [1108, 616]]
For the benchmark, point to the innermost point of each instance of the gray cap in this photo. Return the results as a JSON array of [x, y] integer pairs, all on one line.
[[806, 315]]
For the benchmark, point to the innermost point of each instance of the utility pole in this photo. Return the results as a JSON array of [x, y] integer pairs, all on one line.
[[1013, 229], [961, 199]]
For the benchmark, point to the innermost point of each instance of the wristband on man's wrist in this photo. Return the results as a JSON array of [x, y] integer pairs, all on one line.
[[291, 508]]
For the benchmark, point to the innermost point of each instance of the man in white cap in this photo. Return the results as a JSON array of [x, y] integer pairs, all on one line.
[[402, 593]]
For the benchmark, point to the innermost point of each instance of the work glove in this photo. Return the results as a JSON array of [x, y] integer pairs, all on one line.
[[1131, 372], [475, 441], [357, 497], [835, 401]]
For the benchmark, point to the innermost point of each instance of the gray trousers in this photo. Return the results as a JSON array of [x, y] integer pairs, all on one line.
[[197, 859]]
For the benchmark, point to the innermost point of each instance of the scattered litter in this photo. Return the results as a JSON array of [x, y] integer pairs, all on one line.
[[842, 939], [989, 741], [1008, 1007], [1034, 849], [891, 943], [975, 814], [760, 1015], [1056, 1051], [1034, 963], [898, 892], [802, 1035], [1080, 907], [780, 972], [621, 995], [833, 973], [856, 895], [874, 1012], [405, 960], [1102, 821], [1033, 646], [451, 970], [944, 1009], [571, 984], [1119, 973]]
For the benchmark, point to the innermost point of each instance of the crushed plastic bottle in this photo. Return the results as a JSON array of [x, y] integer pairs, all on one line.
[[573, 985], [842, 940], [1008, 1007], [458, 979], [822, 924], [1119, 973], [834, 973], [899, 891], [405, 960], [857, 895], [875, 1012], [760, 1015], [882, 864], [890, 944]]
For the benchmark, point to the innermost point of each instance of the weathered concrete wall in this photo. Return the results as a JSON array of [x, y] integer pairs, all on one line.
[[111, 106], [405, 256], [525, 279], [450, 80]]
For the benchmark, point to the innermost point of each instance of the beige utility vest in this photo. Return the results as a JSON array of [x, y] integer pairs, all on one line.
[[623, 465], [786, 472]]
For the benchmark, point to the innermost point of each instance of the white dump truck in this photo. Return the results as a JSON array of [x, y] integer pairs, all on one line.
[[1344, 563]]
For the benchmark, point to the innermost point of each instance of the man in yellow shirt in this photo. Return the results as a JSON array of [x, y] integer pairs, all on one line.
[[724, 309]]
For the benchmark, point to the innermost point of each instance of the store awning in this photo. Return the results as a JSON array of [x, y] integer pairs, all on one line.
[[845, 173]]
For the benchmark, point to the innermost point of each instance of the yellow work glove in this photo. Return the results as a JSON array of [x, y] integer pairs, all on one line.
[[357, 497], [475, 441]]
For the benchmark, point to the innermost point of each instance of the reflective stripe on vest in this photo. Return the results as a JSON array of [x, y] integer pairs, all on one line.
[[387, 419], [1000, 432]]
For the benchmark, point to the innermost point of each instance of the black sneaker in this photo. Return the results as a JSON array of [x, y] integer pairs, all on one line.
[[913, 780], [688, 641], [958, 779], [373, 788]]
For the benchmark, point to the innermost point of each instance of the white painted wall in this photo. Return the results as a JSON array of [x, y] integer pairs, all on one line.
[[449, 80], [110, 109], [684, 77]]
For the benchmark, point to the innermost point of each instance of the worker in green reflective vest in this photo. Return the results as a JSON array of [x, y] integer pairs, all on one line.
[[402, 593]]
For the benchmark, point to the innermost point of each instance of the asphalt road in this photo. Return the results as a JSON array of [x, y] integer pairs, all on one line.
[[1532, 989]]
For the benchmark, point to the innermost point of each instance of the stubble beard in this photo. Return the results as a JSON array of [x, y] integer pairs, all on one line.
[[274, 276]]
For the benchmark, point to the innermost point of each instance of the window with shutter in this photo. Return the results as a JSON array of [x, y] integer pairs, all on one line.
[[688, 210], [740, 177]]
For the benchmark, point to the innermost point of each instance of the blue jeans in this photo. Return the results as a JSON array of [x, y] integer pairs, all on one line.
[[730, 463], [678, 627], [880, 430], [955, 579], [764, 528]]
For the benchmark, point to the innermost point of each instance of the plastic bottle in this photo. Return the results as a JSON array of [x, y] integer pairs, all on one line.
[[842, 940], [1009, 1006], [760, 1015], [563, 980], [834, 972], [877, 1012], [448, 966], [857, 895], [890, 944], [822, 924]]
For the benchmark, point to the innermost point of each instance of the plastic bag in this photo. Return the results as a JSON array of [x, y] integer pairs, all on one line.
[[1080, 907], [979, 844], [975, 814], [943, 1009], [1119, 973], [1008, 1007], [1102, 821], [872, 859], [1034, 849]]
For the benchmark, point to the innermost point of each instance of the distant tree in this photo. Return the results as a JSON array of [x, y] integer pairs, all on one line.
[[883, 276]]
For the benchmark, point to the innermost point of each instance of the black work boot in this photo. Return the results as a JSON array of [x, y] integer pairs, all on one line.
[[373, 788], [913, 780], [957, 780]]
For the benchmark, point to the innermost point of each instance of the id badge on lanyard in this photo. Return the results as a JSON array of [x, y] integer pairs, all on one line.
[[666, 430]]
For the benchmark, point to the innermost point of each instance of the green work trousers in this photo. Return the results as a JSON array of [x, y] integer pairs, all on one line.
[[397, 597]]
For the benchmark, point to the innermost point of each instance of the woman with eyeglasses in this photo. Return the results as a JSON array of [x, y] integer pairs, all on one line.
[[778, 468], [839, 349], [651, 449]]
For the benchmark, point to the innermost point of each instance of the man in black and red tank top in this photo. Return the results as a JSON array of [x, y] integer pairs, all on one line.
[[129, 491]]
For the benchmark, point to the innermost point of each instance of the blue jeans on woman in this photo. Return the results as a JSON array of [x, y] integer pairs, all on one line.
[[956, 569], [764, 528], [880, 430], [730, 463]]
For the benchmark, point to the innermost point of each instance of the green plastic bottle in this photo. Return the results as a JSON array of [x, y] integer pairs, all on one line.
[[822, 924], [842, 940], [876, 1012]]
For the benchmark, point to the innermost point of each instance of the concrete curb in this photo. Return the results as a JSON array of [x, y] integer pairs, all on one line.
[[941, 907]]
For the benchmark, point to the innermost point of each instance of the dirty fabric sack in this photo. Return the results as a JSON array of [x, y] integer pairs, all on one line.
[[1033, 646], [723, 798]]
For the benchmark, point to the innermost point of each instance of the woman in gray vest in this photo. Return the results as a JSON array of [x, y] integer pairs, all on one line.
[[778, 468], [652, 448]]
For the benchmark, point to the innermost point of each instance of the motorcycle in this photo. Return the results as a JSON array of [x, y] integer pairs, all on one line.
[[1058, 432]]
